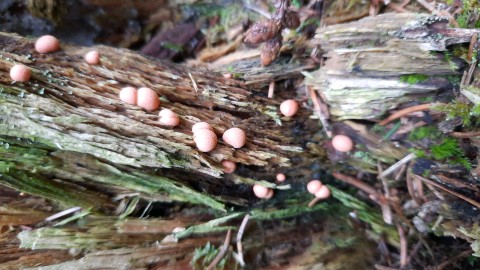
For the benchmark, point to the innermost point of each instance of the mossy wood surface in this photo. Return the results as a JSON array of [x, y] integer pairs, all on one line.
[[66, 135], [377, 63]]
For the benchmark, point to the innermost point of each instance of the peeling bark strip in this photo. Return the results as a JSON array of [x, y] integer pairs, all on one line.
[[370, 61], [67, 127]]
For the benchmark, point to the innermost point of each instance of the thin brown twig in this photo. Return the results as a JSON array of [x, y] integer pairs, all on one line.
[[239, 239], [462, 254], [222, 252], [463, 135], [386, 210], [403, 246], [473, 41], [404, 112], [433, 183], [318, 110]]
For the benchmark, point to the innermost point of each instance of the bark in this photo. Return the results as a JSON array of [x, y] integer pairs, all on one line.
[[66, 132], [377, 63]]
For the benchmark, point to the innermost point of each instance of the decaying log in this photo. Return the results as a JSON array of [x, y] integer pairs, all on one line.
[[66, 132], [377, 63]]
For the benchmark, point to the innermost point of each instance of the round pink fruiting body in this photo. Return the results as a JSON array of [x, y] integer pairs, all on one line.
[[148, 99], [323, 192], [129, 95], [269, 194], [201, 125], [229, 166], [281, 177], [47, 44], [92, 58], [260, 191], [314, 186], [166, 113], [342, 143], [205, 139], [20, 73], [289, 107], [235, 137], [171, 121]]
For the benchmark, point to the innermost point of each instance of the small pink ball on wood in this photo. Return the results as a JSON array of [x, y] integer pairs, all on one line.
[[235, 137], [229, 166], [201, 125], [289, 107], [205, 139], [148, 99], [47, 44], [20, 73], [342, 143], [281, 177], [166, 113], [169, 118], [171, 121], [314, 186], [260, 191], [129, 95], [323, 192], [92, 58]]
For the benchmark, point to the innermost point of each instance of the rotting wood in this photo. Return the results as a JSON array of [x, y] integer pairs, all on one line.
[[369, 62], [66, 132]]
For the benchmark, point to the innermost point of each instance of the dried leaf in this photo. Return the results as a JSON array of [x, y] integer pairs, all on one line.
[[262, 31], [270, 50], [291, 19]]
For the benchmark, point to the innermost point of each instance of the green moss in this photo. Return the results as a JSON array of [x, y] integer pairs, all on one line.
[[450, 150], [418, 152], [469, 114], [413, 78], [424, 132]]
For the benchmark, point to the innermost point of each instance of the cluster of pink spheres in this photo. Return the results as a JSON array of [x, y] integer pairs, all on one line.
[[46, 44], [203, 134]]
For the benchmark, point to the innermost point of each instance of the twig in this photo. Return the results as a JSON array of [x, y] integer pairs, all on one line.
[[411, 187], [386, 210], [400, 172], [62, 213], [433, 183], [318, 110], [462, 254], [414, 251], [146, 209], [473, 41], [239, 239], [463, 135], [403, 246], [395, 166], [404, 112], [468, 75], [195, 87], [222, 252]]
